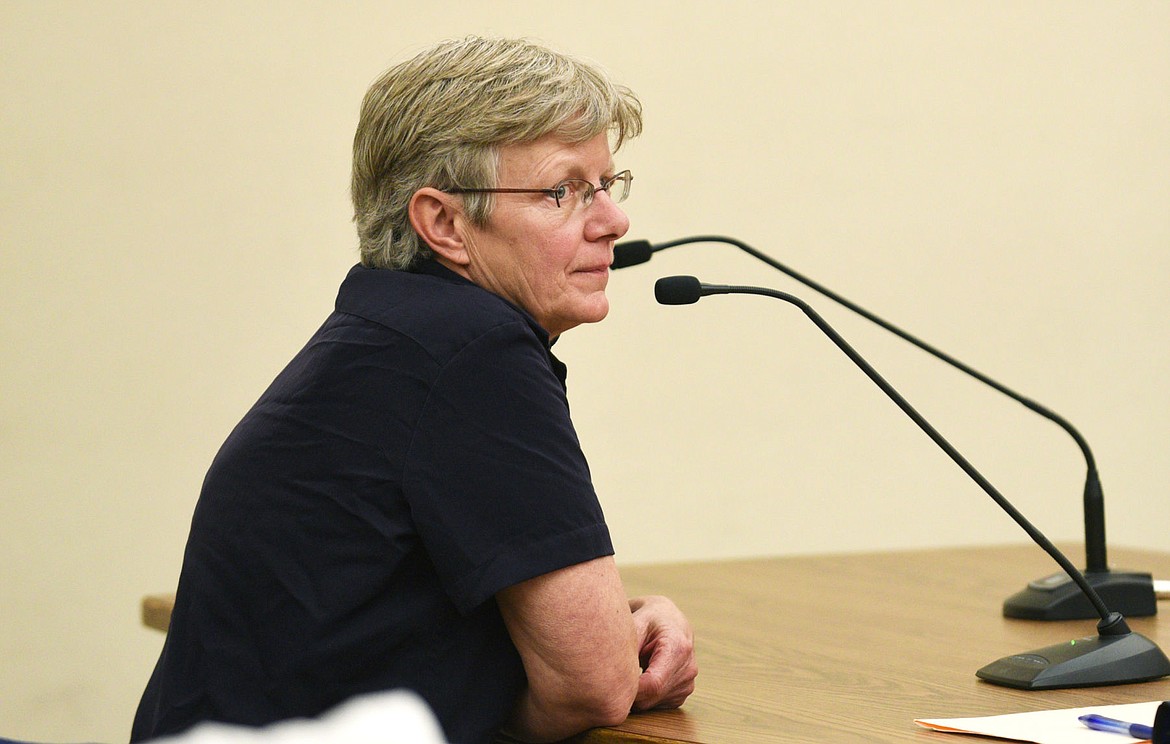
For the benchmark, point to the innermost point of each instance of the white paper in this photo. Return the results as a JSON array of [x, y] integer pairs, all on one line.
[[1049, 726]]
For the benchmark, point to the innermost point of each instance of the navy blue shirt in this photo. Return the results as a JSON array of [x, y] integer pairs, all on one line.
[[415, 458]]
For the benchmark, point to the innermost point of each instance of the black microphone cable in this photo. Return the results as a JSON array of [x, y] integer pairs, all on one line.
[[1050, 598]]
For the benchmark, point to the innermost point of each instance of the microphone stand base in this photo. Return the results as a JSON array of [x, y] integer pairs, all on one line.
[[1086, 662], [1057, 597]]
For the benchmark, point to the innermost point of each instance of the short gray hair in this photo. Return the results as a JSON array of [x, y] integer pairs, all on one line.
[[440, 118]]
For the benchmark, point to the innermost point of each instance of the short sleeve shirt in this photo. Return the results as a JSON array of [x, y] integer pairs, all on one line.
[[415, 458]]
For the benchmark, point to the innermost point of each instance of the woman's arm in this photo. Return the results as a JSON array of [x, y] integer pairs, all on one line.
[[576, 636]]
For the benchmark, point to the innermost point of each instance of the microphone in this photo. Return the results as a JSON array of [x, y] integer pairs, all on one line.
[[1054, 597], [1115, 656], [631, 253]]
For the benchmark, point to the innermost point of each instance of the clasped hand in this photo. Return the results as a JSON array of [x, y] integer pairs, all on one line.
[[666, 651]]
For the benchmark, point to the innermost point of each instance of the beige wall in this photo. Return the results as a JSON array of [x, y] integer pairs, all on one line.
[[174, 222]]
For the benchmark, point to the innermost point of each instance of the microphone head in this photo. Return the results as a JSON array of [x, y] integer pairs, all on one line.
[[1162, 723], [678, 290], [631, 253]]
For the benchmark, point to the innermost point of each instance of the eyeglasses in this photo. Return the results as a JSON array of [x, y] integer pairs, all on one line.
[[573, 191]]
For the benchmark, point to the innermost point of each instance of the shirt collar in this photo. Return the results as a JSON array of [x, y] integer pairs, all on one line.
[[431, 267]]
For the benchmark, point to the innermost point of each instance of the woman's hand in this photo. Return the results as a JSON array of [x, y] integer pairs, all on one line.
[[666, 651]]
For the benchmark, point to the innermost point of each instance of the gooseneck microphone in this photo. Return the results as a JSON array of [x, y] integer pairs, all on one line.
[[1116, 656], [1054, 597]]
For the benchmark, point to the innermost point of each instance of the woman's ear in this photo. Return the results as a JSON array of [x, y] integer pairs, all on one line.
[[436, 217]]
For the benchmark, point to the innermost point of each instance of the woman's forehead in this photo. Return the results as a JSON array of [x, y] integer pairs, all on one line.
[[550, 156]]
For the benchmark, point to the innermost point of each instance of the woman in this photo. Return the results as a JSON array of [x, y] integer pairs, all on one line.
[[407, 505]]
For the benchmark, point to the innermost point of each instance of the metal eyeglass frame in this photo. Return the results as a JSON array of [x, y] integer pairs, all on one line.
[[566, 187]]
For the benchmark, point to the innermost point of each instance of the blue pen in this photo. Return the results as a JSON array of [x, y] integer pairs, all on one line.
[[1112, 725]]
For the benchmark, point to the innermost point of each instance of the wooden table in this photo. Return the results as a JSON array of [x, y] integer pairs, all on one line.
[[853, 648]]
